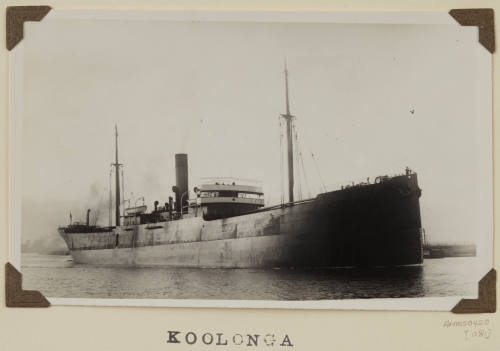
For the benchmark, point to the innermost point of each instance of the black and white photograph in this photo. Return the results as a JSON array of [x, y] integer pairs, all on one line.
[[252, 160]]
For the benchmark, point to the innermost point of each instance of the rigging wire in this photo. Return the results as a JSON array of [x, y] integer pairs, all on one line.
[[319, 174], [110, 196], [305, 175], [296, 151], [281, 163], [123, 192], [301, 164]]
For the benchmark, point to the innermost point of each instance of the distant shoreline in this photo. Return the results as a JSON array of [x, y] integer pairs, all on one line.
[[448, 250]]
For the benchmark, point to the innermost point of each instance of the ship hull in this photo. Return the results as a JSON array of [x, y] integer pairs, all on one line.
[[369, 225], [256, 252]]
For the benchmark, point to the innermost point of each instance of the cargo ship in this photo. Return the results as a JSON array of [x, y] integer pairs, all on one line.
[[225, 224]]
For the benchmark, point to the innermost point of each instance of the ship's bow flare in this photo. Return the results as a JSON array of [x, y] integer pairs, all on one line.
[[381, 223]]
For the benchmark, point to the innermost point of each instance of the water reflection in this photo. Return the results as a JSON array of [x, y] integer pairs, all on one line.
[[61, 278]]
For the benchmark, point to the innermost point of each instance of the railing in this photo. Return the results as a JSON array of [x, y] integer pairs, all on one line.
[[230, 181], [227, 199]]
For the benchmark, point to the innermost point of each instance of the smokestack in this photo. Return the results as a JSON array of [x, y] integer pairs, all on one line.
[[181, 179], [88, 217]]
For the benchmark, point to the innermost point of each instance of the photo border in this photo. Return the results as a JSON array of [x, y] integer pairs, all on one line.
[[17, 15]]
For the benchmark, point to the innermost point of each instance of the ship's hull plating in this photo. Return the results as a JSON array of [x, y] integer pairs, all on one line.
[[377, 224]]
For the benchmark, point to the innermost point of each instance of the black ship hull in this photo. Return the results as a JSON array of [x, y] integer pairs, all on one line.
[[365, 225]]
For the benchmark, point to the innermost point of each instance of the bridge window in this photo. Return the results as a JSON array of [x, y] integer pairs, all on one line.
[[209, 194]]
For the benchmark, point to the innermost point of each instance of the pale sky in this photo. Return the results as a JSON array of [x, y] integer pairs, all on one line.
[[215, 91]]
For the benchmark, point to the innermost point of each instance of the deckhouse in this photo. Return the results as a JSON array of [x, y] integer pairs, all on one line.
[[227, 197]]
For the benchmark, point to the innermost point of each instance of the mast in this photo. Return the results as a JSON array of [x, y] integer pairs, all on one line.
[[289, 137], [117, 180], [123, 193], [110, 198]]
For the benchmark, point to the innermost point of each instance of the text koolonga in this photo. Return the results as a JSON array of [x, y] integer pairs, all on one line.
[[220, 339]]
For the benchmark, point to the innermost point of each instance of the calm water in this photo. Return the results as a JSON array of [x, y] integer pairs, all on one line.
[[58, 276]]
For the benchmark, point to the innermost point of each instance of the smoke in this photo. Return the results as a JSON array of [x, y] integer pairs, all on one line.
[[190, 131], [40, 219], [39, 223], [51, 245], [97, 201], [183, 143]]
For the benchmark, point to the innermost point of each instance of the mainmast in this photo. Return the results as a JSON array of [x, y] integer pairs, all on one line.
[[117, 180], [289, 137]]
